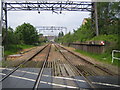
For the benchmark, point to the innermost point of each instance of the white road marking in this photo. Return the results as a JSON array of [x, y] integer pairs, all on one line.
[[66, 86], [23, 71], [41, 81], [100, 83], [20, 77], [106, 84], [49, 76]]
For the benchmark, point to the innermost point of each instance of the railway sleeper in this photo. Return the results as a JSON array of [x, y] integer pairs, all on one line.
[[83, 70]]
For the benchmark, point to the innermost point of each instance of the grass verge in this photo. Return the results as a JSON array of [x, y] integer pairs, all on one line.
[[104, 57], [12, 49]]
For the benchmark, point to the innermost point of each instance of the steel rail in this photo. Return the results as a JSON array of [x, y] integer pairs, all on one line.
[[87, 80], [37, 82], [24, 62], [107, 71]]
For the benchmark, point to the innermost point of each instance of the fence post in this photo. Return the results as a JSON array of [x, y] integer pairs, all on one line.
[[112, 56], [3, 52]]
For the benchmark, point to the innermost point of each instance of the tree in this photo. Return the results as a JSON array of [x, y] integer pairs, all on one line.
[[61, 34], [83, 33], [26, 33], [108, 17], [10, 37]]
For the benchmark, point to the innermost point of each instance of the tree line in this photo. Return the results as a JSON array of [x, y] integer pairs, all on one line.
[[23, 34], [108, 23]]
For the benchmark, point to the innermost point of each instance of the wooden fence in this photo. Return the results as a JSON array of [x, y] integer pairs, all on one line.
[[93, 48]]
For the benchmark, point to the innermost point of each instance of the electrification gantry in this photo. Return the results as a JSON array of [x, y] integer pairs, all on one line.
[[52, 28], [54, 6]]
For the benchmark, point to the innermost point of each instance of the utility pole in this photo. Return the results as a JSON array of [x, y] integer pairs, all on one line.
[[96, 20], [0, 30], [6, 18], [0, 22]]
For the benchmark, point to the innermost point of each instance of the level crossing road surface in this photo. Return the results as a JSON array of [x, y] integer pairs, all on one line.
[[26, 77]]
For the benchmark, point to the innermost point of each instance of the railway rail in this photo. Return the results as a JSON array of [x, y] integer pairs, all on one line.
[[60, 68], [21, 64], [86, 79], [41, 71], [90, 63]]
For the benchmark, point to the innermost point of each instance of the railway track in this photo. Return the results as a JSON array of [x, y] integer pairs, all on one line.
[[37, 82], [61, 68], [80, 73], [90, 63], [23, 63]]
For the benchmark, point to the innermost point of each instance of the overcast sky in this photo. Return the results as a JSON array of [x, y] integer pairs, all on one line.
[[71, 20]]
